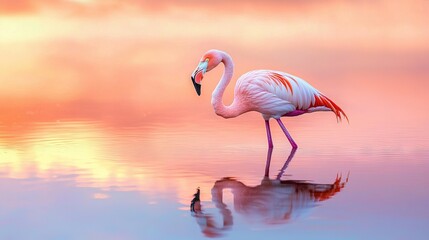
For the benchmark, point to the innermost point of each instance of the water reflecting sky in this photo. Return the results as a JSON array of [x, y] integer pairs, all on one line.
[[103, 137]]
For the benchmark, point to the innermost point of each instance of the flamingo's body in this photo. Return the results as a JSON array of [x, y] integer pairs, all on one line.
[[272, 93]]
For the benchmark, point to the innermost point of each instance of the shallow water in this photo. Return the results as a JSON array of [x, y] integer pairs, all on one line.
[[81, 179]]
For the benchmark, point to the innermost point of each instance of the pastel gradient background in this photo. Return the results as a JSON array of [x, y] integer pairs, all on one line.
[[102, 135]]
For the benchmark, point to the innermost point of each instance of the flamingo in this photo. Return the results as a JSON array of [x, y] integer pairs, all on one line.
[[274, 94]]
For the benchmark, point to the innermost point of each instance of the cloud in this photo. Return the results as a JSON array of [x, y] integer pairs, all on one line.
[[365, 23], [111, 6], [19, 6]]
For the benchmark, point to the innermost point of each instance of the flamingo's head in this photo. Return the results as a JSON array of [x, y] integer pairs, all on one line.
[[209, 61]]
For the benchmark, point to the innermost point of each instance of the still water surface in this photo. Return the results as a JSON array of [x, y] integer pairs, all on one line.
[[86, 179]]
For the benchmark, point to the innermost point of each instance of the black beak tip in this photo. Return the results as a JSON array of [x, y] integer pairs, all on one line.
[[197, 86]]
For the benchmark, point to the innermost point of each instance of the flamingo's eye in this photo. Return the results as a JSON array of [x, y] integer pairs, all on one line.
[[207, 60]]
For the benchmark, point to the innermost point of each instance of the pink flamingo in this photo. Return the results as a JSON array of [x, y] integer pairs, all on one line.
[[272, 93]]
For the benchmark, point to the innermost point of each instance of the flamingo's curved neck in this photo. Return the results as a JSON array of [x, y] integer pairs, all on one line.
[[220, 109], [217, 191]]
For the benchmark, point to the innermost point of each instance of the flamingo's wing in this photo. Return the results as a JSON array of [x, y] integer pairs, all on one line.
[[278, 92], [312, 100], [263, 94], [321, 101]]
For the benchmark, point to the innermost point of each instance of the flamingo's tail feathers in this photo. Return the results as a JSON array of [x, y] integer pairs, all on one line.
[[322, 100]]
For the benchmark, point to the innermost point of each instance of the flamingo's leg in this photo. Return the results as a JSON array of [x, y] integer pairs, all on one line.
[[289, 137], [267, 165], [270, 140]]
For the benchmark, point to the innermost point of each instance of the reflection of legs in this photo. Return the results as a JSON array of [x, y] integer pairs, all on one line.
[[292, 153], [270, 140], [289, 137], [267, 165]]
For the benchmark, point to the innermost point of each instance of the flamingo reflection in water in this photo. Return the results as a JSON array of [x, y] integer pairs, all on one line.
[[274, 201]]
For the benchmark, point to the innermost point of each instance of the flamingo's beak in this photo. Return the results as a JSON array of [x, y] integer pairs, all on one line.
[[197, 76], [196, 85]]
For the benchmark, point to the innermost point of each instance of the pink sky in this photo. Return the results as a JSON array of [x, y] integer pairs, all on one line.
[[61, 56]]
